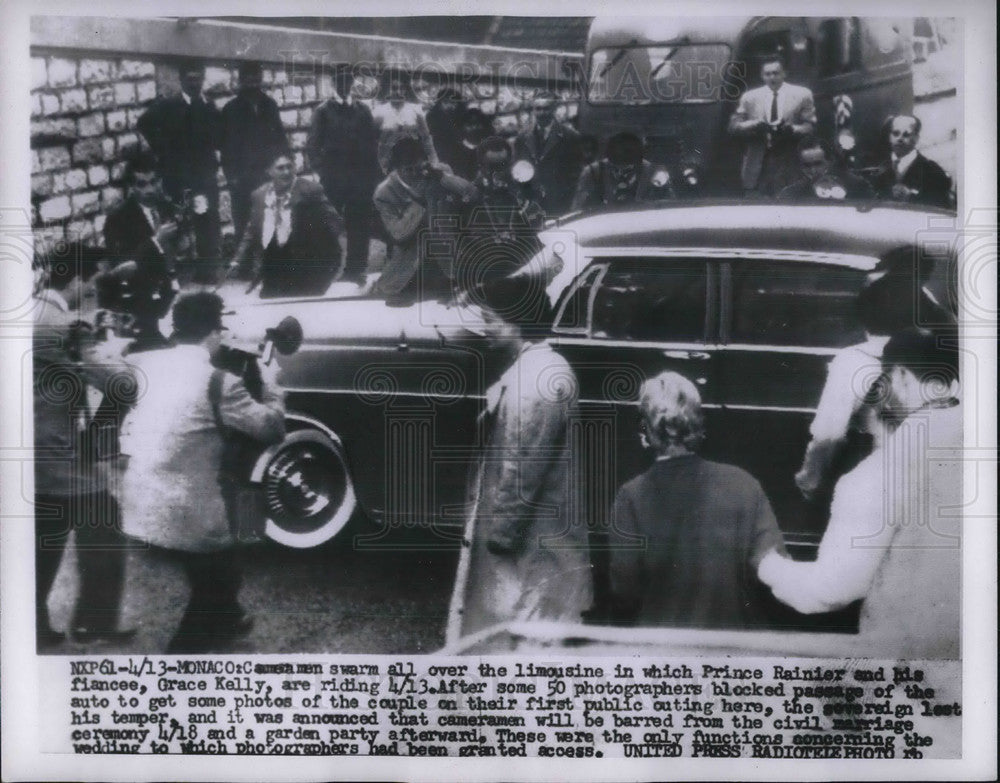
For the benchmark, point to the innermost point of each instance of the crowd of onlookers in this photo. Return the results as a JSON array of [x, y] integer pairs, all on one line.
[[391, 170], [403, 175]]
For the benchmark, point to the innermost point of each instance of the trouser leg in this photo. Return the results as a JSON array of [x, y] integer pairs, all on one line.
[[240, 200], [357, 218], [208, 244], [213, 609], [100, 551], [52, 525]]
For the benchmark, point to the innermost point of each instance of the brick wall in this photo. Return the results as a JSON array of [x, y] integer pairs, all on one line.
[[83, 120]]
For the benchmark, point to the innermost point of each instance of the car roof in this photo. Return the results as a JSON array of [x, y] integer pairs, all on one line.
[[851, 230], [354, 320]]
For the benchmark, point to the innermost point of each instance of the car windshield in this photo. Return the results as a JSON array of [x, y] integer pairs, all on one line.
[[668, 73]]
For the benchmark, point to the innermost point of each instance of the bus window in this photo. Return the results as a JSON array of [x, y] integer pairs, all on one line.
[[839, 46], [674, 73], [764, 45]]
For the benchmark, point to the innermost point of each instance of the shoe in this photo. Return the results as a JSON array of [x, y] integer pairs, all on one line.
[[81, 634]]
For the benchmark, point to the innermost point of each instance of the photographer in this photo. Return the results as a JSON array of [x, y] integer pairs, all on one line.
[[171, 493], [499, 234], [71, 486], [771, 119], [410, 201], [623, 177], [143, 242]]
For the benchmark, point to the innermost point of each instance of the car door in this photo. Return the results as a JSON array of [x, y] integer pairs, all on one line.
[[782, 319], [629, 317]]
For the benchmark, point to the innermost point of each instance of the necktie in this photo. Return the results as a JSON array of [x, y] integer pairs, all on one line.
[[154, 216], [282, 228], [774, 106]]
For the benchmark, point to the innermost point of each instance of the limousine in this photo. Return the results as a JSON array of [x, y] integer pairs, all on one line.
[[750, 302]]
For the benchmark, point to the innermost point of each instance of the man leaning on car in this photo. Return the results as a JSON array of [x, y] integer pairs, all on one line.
[[894, 538]]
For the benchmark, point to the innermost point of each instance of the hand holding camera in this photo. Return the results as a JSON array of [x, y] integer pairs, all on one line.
[[432, 171]]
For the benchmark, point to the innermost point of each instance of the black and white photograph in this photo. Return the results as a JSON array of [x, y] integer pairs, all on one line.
[[616, 389]]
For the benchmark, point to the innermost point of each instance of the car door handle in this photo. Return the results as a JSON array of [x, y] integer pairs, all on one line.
[[698, 356]]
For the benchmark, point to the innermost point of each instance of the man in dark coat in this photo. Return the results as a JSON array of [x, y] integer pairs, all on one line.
[[185, 133], [554, 149], [141, 239], [819, 182], [251, 132], [343, 150], [623, 177], [444, 121], [71, 485], [292, 238], [907, 175], [689, 534]]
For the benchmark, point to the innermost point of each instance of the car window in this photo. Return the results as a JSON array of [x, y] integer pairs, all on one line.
[[796, 304], [651, 299], [571, 317]]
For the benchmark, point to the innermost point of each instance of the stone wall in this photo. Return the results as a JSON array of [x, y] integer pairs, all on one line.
[[84, 111], [83, 121]]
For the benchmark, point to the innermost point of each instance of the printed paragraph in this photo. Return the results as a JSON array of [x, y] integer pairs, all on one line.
[[606, 709]]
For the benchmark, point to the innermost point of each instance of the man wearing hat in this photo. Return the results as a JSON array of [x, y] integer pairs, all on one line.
[[173, 440], [343, 149], [251, 133], [894, 533], [553, 148], [527, 554]]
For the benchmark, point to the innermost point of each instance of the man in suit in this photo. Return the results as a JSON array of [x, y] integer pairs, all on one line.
[[907, 175], [553, 148], [141, 239], [343, 149], [71, 485], [771, 119], [185, 132], [251, 131], [623, 177], [292, 237], [820, 183]]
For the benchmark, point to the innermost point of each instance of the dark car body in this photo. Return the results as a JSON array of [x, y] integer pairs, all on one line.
[[750, 302]]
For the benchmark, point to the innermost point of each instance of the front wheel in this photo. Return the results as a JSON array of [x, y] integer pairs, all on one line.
[[308, 492]]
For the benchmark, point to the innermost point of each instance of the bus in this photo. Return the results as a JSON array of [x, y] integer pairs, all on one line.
[[677, 81]]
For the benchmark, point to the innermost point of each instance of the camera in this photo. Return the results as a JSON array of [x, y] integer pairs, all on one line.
[[285, 338]]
